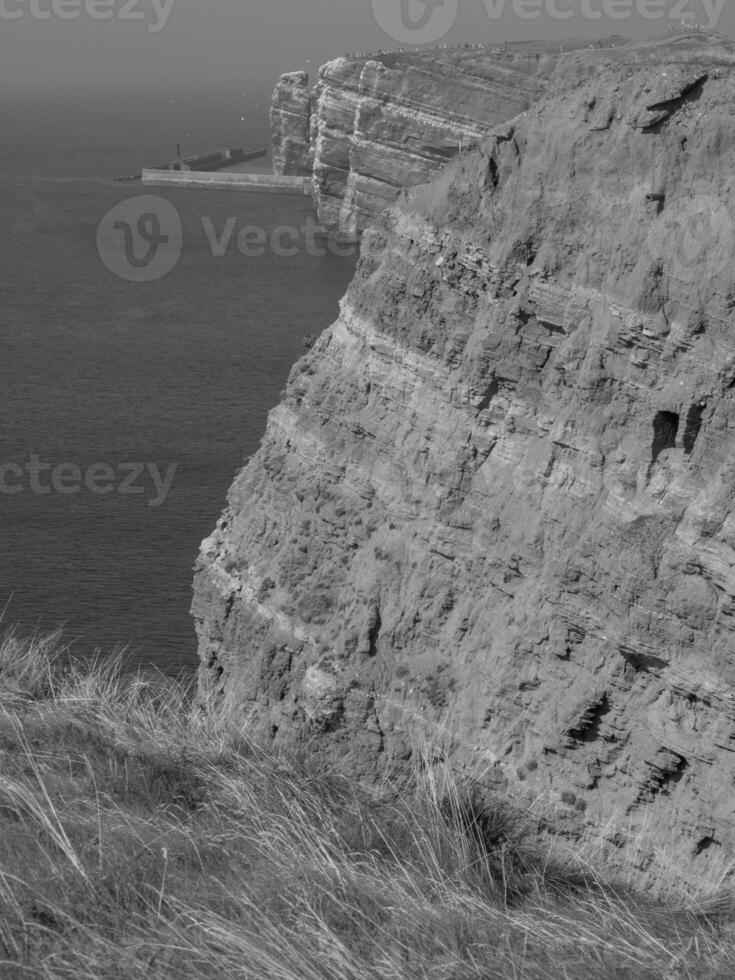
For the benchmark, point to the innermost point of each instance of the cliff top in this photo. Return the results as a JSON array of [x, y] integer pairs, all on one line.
[[710, 46]]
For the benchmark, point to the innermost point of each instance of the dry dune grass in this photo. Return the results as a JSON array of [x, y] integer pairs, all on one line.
[[142, 837]]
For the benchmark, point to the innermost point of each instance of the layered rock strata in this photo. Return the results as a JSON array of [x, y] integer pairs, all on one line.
[[497, 500], [290, 126], [378, 123]]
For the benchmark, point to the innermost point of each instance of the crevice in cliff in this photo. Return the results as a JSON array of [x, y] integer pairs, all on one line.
[[374, 626], [553, 328], [444, 152], [704, 844], [493, 176], [275, 671], [666, 109], [216, 670], [587, 727], [665, 427], [490, 392], [665, 771], [692, 426], [642, 662]]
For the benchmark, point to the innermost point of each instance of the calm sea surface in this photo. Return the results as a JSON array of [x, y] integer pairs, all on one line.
[[97, 372]]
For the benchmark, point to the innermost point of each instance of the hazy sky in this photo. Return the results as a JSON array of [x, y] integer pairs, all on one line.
[[180, 44]]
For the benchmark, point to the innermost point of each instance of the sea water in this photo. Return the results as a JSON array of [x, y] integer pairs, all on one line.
[[102, 378]]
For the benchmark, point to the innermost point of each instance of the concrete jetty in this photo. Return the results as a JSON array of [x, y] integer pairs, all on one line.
[[227, 181]]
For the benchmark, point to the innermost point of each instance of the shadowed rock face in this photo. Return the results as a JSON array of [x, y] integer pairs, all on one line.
[[497, 497]]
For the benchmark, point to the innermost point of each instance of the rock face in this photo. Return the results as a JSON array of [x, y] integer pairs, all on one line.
[[497, 499], [376, 124], [290, 121]]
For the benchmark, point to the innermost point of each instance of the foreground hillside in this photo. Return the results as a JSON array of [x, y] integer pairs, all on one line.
[[141, 837]]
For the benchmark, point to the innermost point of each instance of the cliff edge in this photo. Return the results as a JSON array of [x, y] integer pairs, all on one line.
[[497, 498], [375, 124]]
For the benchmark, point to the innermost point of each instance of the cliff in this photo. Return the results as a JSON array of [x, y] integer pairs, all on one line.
[[375, 124], [497, 497], [290, 124], [378, 123]]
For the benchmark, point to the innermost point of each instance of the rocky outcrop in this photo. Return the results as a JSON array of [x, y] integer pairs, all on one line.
[[498, 498], [378, 123], [290, 125]]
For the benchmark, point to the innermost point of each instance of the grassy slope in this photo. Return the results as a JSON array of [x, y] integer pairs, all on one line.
[[139, 837]]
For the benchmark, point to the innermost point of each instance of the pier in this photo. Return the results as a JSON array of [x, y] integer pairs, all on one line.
[[229, 159], [223, 171], [227, 181]]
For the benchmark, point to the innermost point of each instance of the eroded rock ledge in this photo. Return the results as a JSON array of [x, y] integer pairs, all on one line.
[[497, 498]]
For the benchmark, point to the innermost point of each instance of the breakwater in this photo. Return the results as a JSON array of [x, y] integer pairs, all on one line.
[[218, 181]]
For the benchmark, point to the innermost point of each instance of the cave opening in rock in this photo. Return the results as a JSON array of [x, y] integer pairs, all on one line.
[[665, 427], [692, 426]]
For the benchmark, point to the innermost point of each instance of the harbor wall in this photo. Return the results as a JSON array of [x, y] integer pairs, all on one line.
[[253, 183]]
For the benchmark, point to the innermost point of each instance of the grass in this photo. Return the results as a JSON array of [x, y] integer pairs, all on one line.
[[140, 836]]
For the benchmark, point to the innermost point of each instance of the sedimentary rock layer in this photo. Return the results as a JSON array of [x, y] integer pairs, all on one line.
[[378, 123], [497, 500], [290, 122]]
